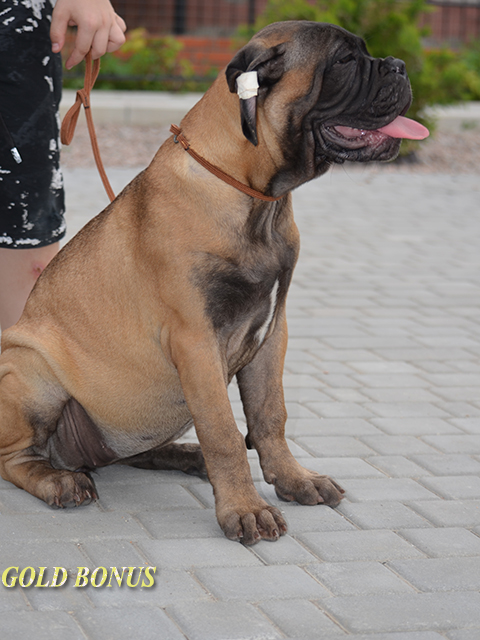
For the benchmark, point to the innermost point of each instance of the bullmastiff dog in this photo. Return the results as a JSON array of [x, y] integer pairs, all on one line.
[[134, 331]]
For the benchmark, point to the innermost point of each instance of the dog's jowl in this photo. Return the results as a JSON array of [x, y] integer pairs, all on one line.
[[134, 331]]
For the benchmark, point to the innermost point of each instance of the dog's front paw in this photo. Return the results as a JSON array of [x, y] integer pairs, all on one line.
[[308, 487], [68, 489], [249, 526]]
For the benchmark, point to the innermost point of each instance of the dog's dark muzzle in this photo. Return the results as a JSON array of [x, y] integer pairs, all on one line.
[[382, 88]]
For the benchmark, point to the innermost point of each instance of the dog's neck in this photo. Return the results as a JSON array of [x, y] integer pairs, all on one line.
[[228, 149], [179, 138]]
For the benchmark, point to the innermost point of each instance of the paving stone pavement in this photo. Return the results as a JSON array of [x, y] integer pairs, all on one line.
[[382, 384]]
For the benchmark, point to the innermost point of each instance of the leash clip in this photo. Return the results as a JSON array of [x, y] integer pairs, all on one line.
[[179, 137]]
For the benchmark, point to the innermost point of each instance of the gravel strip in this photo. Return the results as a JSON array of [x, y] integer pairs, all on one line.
[[135, 146]]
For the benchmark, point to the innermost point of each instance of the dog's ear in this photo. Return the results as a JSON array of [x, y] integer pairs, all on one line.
[[268, 64]]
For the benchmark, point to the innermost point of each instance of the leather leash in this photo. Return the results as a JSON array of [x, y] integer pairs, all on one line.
[[71, 117], [179, 137], [83, 97]]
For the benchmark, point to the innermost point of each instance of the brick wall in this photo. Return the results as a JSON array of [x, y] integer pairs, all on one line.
[[452, 20]]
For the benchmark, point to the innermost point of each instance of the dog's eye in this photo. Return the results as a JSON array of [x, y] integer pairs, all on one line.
[[345, 59]]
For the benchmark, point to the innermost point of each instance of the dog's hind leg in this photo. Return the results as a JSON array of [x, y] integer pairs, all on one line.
[[186, 457], [30, 408]]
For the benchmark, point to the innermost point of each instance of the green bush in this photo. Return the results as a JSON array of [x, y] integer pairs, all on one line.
[[447, 76], [471, 56], [144, 62]]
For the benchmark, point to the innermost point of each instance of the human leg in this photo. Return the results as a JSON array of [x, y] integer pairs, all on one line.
[[19, 270], [31, 192]]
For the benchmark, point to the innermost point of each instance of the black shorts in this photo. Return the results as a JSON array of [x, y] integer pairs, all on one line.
[[31, 193]]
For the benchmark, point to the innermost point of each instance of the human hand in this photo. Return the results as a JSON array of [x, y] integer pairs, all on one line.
[[99, 28]]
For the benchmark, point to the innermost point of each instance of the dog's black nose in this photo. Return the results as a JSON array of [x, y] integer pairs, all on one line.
[[393, 65]]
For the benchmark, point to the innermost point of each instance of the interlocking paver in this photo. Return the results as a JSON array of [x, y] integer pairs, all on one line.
[[400, 394], [418, 354], [301, 619], [181, 524], [407, 410], [398, 466], [12, 599], [440, 574], [139, 622], [61, 599], [454, 487], [455, 443], [382, 515], [381, 384], [382, 367], [448, 464], [466, 634], [414, 426], [465, 411], [318, 518], [406, 612], [260, 583], [75, 525], [332, 446], [346, 426], [200, 552], [469, 424], [134, 498], [341, 546], [345, 355], [42, 553], [393, 380], [449, 513], [41, 625], [286, 551], [169, 588], [444, 542], [305, 394], [223, 621], [386, 489], [457, 394], [407, 635], [345, 395], [397, 445], [344, 467], [110, 553], [358, 578]]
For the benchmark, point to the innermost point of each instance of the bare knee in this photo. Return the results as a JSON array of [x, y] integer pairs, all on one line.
[[19, 270], [37, 268]]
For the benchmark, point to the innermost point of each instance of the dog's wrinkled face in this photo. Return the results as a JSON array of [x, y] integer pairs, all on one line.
[[329, 99], [359, 96]]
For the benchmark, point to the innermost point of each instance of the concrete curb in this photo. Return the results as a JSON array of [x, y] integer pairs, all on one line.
[[161, 109], [460, 117], [135, 107]]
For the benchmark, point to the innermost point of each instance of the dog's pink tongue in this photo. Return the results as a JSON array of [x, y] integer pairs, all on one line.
[[405, 128]]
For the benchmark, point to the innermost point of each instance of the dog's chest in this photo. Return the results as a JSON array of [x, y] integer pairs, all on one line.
[[242, 298], [243, 334]]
